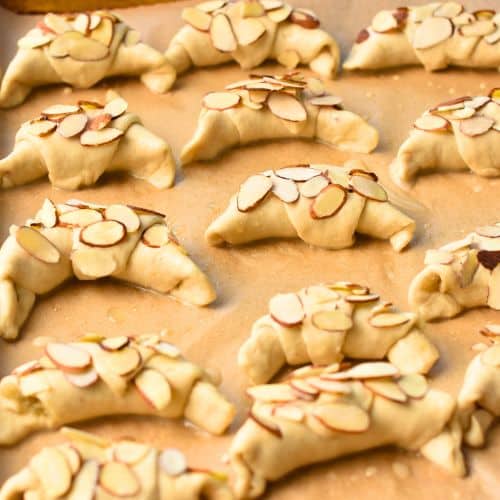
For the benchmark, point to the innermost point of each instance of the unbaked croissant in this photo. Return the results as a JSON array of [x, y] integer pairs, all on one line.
[[97, 376], [250, 33], [460, 275], [81, 50], [320, 414], [479, 397], [456, 135], [322, 324], [90, 241], [436, 35], [275, 107], [323, 205], [88, 466], [76, 143]]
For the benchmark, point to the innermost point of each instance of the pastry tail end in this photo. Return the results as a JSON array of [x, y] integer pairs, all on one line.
[[21, 166], [179, 58]]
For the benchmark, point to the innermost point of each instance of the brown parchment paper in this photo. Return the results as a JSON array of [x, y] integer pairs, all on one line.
[[445, 207]]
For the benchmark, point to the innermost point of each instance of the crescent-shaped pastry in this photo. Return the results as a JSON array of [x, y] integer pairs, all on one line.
[[97, 376], [320, 414], [86, 466], [250, 33], [89, 241], [435, 35], [460, 275], [322, 324], [456, 135], [275, 107], [81, 50], [323, 205], [76, 143], [479, 397]]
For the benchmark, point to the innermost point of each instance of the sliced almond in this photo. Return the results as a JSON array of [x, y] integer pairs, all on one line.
[[326, 100], [156, 236], [285, 189], [477, 102], [124, 362], [221, 100], [286, 107], [93, 263], [328, 202], [37, 245], [83, 379], [258, 96], [491, 356], [104, 32], [100, 137], [240, 84], [299, 173], [289, 412], [493, 38], [119, 480], [370, 369], [359, 299], [47, 215], [286, 309], [56, 23], [129, 452], [72, 456], [99, 121], [289, 58], [87, 50], [133, 37], [388, 320], [462, 114], [332, 320], [82, 23], [95, 20], [304, 389], [154, 387], [271, 4], [89, 106], [457, 103], [115, 343], [384, 21], [476, 126], [488, 231], [449, 10], [342, 417], [432, 123], [253, 190], [251, 8], [484, 14], [248, 31], [103, 234], [338, 175], [312, 187], [26, 368], [60, 110], [272, 393], [431, 32], [281, 14], [72, 125], [167, 349], [42, 127], [32, 384], [387, 389], [211, 5], [414, 385], [67, 357], [80, 218], [222, 34], [463, 18], [173, 462], [304, 18], [197, 18], [116, 107], [438, 257], [52, 470], [491, 330], [34, 42], [330, 386], [265, 423], [125, 215], [368, 188], [479, 28]]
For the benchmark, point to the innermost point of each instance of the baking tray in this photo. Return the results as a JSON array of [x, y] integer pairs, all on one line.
[[446, 206]]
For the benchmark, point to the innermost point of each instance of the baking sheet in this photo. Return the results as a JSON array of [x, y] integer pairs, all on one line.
[[445, 207]]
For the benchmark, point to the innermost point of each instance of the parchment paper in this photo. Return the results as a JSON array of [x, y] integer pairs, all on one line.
[[445, 206]]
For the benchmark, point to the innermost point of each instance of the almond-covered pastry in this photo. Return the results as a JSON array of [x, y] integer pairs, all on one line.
[[323, 205], [435, 35], [479, 397], [251, 32], [76, 143], [456, 135], [87, 466], [98, 376], [89, 241], [268, 107], [324, 413], [81, 50], [460, 275], [322, 324]]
